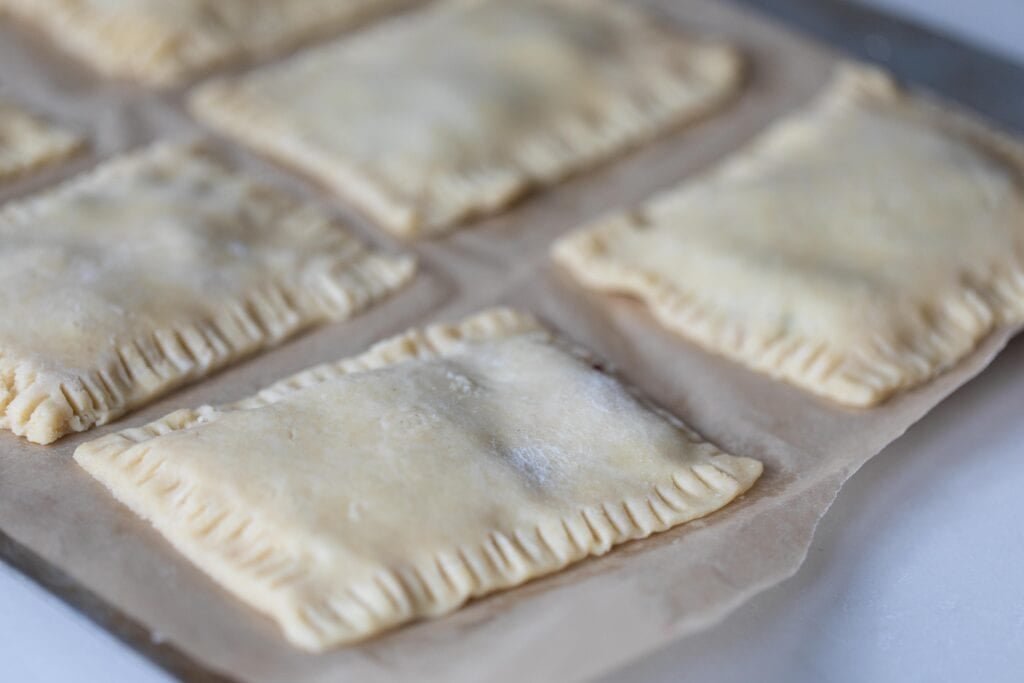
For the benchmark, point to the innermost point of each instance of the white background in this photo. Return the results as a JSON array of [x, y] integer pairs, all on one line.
[[914, 575], [995, 24]]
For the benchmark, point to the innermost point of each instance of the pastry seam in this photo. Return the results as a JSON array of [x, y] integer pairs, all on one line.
[[39, 143]]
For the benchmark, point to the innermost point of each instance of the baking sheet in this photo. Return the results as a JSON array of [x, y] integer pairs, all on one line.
[[63, 529]]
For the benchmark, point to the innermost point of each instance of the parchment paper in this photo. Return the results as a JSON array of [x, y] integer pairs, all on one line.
[[573, 625]]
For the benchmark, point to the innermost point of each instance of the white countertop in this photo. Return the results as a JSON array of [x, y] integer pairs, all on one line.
[[997, 25], [914, 575]]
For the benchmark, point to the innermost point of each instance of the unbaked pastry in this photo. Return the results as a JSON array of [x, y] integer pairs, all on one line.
[[154, 269], [856, 249], [441, 465], [26, 143], [453, 112], [161, 42]]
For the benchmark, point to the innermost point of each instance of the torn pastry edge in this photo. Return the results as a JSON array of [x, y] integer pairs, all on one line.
[[566, 145], [142, 50], [235, 547], [43, 404], [956, 323], [51, 144]]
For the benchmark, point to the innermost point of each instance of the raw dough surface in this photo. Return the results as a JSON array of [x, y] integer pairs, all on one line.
[[26, 143], [455, 111], [153, 269], [441, 465], [161, 42], [856, 249]]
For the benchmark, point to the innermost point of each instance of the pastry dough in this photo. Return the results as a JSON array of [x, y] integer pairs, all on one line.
[[152, 270], [441, 465], [160, 42], [856, 249], [26, 143], [455, 111]]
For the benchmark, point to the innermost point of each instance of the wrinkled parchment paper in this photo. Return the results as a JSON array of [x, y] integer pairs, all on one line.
[[575, 624]]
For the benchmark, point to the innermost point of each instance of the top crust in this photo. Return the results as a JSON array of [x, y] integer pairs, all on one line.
[[162, 42], [450, 113], [443, 464], [154, 269], [856, 249]]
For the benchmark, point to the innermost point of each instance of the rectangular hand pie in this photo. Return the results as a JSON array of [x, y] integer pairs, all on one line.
[[154, 269], [441, 465], [455, 111], [161, 42], [856, 249], [26, 143]]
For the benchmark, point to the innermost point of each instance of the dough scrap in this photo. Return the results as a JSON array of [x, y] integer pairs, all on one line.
[[27, 143], [441, 465], [856, 249], [455, 111], [162, 42], [152, 270]]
